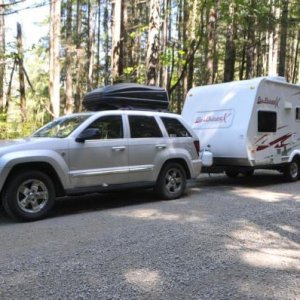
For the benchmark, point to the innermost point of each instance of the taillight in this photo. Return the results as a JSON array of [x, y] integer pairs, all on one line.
[[197, 146]]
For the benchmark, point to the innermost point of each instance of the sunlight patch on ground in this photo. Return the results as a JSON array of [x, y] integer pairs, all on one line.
[[262, 195], [262, 248], [273, 258], [154, 214], [143, 278], [288, 228]]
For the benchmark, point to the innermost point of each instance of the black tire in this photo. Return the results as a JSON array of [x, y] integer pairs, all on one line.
[[292, 170], [232, 174], [248, 173], [171, 182], [28, 196]]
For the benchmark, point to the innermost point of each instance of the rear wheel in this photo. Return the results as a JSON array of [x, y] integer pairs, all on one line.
[[28, 196], [232, 174], [292, 170], [171, 182]]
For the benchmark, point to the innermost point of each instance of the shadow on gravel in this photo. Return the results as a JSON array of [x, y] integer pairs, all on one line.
[[93, 202], [102, 201], [259, 179]]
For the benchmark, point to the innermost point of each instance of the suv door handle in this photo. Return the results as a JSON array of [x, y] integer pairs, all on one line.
[[118, 148], [161, 146]]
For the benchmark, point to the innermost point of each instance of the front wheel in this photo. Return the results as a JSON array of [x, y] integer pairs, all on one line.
[[28, 196], [292, 170], [171, 182]]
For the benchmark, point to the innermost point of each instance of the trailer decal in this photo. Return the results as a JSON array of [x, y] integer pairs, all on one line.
[[213, 119], [267, 100], [279, 143], [265, 135]]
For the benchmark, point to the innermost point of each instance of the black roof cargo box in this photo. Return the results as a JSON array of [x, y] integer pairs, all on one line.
[[127, 96]]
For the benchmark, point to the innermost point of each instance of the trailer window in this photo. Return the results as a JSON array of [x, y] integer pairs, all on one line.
[[267, 121], [298, 113]]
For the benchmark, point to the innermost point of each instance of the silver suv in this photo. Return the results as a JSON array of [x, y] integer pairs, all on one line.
[[94, 152]]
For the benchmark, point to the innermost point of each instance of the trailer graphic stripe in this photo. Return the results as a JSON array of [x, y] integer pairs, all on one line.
[[279, 140]]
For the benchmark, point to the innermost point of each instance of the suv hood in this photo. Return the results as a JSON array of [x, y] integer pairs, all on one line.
[[7, 146]]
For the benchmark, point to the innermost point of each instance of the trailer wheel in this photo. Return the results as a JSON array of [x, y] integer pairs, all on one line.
[[248, 173], [291, 171], [232, 174]]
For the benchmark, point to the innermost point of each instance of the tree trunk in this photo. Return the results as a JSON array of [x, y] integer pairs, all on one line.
[[54, 69], [116, 62], [79, 58], [124, 28], [91, 44], [153, 42], [294, 78], [273, 41], [164, 43], [283, 37], [250, 50], [106, 44], [192, 33], [211, 26], [2, 58], [69, 89], [230, 51], [21, 72], [98, 57]]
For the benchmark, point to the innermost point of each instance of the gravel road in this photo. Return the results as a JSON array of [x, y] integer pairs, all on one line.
[[226, 239]]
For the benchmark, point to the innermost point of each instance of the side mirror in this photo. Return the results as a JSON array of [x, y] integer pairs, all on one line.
[[89, 134]]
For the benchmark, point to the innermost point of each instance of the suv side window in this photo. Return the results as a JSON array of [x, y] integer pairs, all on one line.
[[111, 127], [175, 128], [144, 127]]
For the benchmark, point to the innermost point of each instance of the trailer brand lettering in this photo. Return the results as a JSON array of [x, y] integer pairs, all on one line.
[[213, 119], [267, 100]]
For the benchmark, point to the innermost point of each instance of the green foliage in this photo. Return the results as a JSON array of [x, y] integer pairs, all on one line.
[[13, 130]]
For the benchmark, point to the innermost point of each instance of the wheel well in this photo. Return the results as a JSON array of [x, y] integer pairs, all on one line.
[[182, 162], [297, 157], [42, 167]]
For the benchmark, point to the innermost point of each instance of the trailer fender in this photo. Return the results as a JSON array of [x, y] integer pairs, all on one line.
[[294, 153]]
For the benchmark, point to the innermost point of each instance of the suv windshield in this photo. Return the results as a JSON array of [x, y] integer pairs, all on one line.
[[61, 127]]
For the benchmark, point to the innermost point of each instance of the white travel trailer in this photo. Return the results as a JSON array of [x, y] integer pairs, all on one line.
[[247, 125]]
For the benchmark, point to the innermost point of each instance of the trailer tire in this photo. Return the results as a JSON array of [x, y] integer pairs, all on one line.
[[232, 174], [292, 170], [248, 173]]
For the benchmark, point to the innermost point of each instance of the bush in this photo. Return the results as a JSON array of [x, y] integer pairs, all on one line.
[[13, 130]]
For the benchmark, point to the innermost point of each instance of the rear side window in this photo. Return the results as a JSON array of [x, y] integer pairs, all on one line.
[[267, 121], [144, 127], [175, 128]]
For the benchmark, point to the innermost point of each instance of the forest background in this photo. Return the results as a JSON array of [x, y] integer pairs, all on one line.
[[175, 44]]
